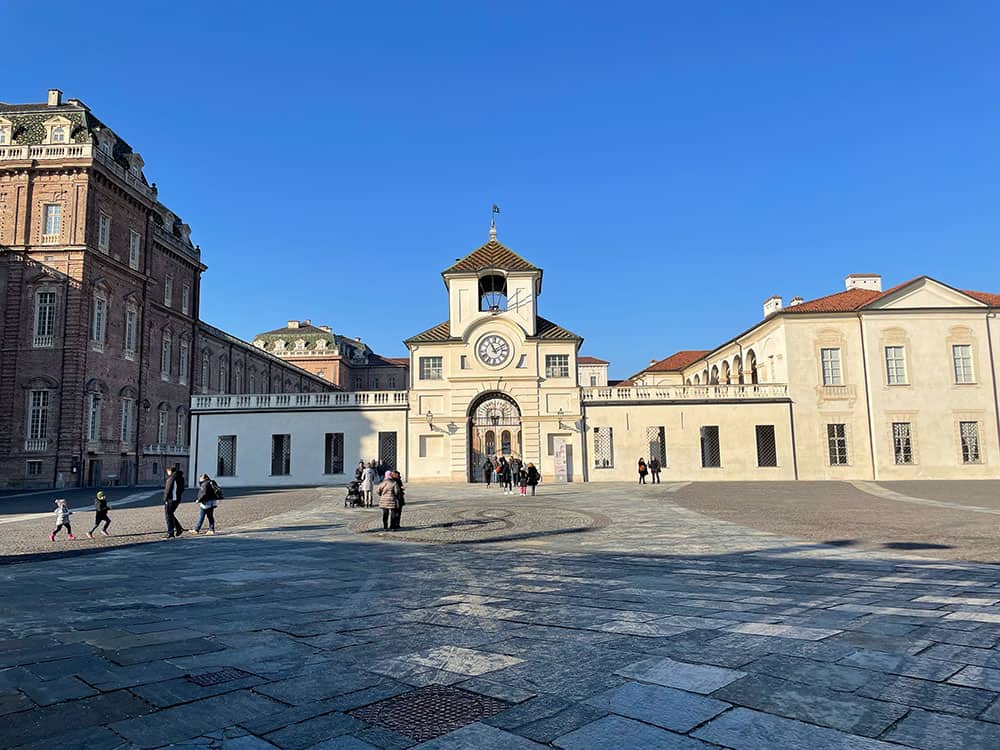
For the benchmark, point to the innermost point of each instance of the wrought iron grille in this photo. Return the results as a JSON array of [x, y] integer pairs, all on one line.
[[334, 453], [281, 455], [227, 456], [604, 448], [656, 437], [902, 444], [767, 450], [387, 448], [217, 678], [969, 432], [836, 437], [711, 456]]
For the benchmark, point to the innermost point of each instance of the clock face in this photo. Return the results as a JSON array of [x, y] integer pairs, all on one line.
[[493, 350]]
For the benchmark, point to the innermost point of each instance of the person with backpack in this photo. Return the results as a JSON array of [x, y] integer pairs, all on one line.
[[101, 506], [209, 494], [388, 500], [533, 477], [643, 470]]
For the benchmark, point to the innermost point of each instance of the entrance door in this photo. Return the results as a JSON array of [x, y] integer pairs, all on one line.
[[494, 429], [94, 474], [387, 449]]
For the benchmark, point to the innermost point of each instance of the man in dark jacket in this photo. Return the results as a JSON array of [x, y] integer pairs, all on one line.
[[488, 472], [172, 490], [654, 469]]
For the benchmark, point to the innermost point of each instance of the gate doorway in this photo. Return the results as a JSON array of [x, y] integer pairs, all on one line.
[[494, 430]]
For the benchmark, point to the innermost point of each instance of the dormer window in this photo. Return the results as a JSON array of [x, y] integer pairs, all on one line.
[[57, 130], [279, 345], [300, 344]]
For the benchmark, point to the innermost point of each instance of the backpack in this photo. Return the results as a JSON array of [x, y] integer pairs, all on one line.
[[216, 489]]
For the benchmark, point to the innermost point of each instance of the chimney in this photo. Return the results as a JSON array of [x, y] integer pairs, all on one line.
[[796, 301], [652, 362], [326, 329], [293, 324], [870, 281], [307, 322], [772, 305], [55, 97]]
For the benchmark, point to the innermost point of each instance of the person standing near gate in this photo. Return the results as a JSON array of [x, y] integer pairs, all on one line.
[[171, 499], [488, 471], [643, 470], [654, 469]]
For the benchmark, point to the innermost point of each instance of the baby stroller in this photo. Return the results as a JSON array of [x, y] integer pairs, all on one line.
[[354, 498]]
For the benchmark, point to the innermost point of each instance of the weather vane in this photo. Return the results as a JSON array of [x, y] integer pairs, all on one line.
[[493, 221]]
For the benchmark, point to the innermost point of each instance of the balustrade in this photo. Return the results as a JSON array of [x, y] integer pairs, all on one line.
[[343, 399], [686, 392]]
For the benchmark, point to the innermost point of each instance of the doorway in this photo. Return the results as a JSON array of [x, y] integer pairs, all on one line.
[[494, 429]]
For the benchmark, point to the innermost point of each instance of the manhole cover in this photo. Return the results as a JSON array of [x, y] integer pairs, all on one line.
[[217, 678], [429, 712]]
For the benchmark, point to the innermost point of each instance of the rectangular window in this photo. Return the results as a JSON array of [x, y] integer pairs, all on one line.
[[182, 365], [94, 417], [134, 240], [226, 466], [711, 455], [38, 415], [186, 299], [902, 443], [334, 453], [969, 432], [656, 439], [104, 233], [223, 382], [100, 320], [392, 382], [895, 365], [767, 449], [557, 365], [126, 425], [206, 373], [281, 455], [161, 428], [131, 323], [831, 366], [52, 215], [165, 358], [168, 291], [181, 433], [593, 380], [359, 382], [45, 319], [431, 368], [463, 362], [604, 448], [836, 438], [34, 469], [961, 356]]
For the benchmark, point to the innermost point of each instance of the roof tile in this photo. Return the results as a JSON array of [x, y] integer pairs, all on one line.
[[491, 255]]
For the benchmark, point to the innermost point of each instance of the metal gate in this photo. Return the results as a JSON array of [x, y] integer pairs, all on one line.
[[387, 449]]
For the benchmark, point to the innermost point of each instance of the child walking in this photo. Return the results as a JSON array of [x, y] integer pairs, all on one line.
[[522, 480], [62, 519], [101, 506]]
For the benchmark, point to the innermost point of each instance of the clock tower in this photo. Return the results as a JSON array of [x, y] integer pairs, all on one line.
[[495, 378]]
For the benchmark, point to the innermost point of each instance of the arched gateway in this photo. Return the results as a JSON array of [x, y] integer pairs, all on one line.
[[494, 428]]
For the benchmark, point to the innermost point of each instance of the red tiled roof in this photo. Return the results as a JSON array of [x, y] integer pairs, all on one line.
[[491, 255], [591, 361], [847, 301], [677, 361], [987, 298]]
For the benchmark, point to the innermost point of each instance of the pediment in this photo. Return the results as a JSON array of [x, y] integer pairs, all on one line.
[[924, 293]]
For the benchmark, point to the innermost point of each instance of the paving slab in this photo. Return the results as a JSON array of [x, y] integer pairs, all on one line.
[[695, 678], [481, 737], [617, 732], [654, 704], [744, 729], [933, 731], [933, 696]]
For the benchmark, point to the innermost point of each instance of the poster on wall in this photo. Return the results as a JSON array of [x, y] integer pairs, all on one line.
[[561, 473]]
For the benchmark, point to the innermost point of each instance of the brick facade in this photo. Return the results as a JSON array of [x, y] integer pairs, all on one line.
[[89, 393]]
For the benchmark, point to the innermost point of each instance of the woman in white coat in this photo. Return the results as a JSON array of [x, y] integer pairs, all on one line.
[[368, 483]]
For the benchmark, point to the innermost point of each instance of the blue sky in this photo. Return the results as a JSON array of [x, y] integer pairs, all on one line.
[[669, 165]]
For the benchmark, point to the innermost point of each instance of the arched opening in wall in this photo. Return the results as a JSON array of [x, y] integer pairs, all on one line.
[[738, 368], [697, 379], [493, 293], [752, 366], [704, 376], [714, 378], [725, 377], [492, 415], [687, 382]]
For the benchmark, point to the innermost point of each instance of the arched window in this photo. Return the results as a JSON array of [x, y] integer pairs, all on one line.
[[206, 371], [697, 379], [752, 365], [180, 436], [738, 368], [714, 378], [223, 373], [252, 382], [59, 134], [490, 442], [493, 293], [165, 351], [725, 377], [99, 321], [238, 379], [505, 442]]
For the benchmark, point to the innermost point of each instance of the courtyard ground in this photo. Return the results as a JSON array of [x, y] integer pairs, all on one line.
[[687, 616]]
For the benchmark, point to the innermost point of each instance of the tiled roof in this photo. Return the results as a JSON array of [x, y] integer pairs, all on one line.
[[546, 330], [677, 361], [301, 330], [491, 255], [397, 360], [376, 360], [846, 301], [591, 361], [993, 300]]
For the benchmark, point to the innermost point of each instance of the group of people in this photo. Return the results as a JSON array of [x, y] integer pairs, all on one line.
[[390, 491], [209, 494], [652, 468], [508, 472]]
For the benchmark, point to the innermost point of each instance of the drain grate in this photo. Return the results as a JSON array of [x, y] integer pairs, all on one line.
[[217, 678], [429, 712]]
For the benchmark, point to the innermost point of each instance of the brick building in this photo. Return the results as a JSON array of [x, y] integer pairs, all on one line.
[[101, 345], [346, 362]]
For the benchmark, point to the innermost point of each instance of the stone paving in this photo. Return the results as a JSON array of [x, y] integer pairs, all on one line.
[[605, 625]]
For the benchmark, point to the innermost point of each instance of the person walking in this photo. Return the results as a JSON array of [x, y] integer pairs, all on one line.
[[171, 499], [397, 514], [515, 469], [522, 481], [534, 477], [488, 472], [388, 494], [101, 506], [181, 483], [643, 470], [62, 513], [654, 469], [504, 472], [208, 500], [368, 483]]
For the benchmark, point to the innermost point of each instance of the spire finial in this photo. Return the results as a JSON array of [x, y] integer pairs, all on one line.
[[493, 222]]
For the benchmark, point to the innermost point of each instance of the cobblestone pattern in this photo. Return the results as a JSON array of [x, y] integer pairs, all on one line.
[[705, 635]]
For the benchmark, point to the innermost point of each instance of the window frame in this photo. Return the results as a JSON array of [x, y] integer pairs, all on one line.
[[99, 318], [220, 470], [972, 453], [758, 431], [955, 360], [828, 375], [286, 459], [836, 444], [162, 426], [330, 455], [431, 368], [125, 426], [134, 249], [51, 222], [902, 443], [168, 291], [557, 366], [104, 232], [186, 299], [94, 417], [894, 357], [131, 330], [44, 338], [601, 461], [37, 429], [166, 355]]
